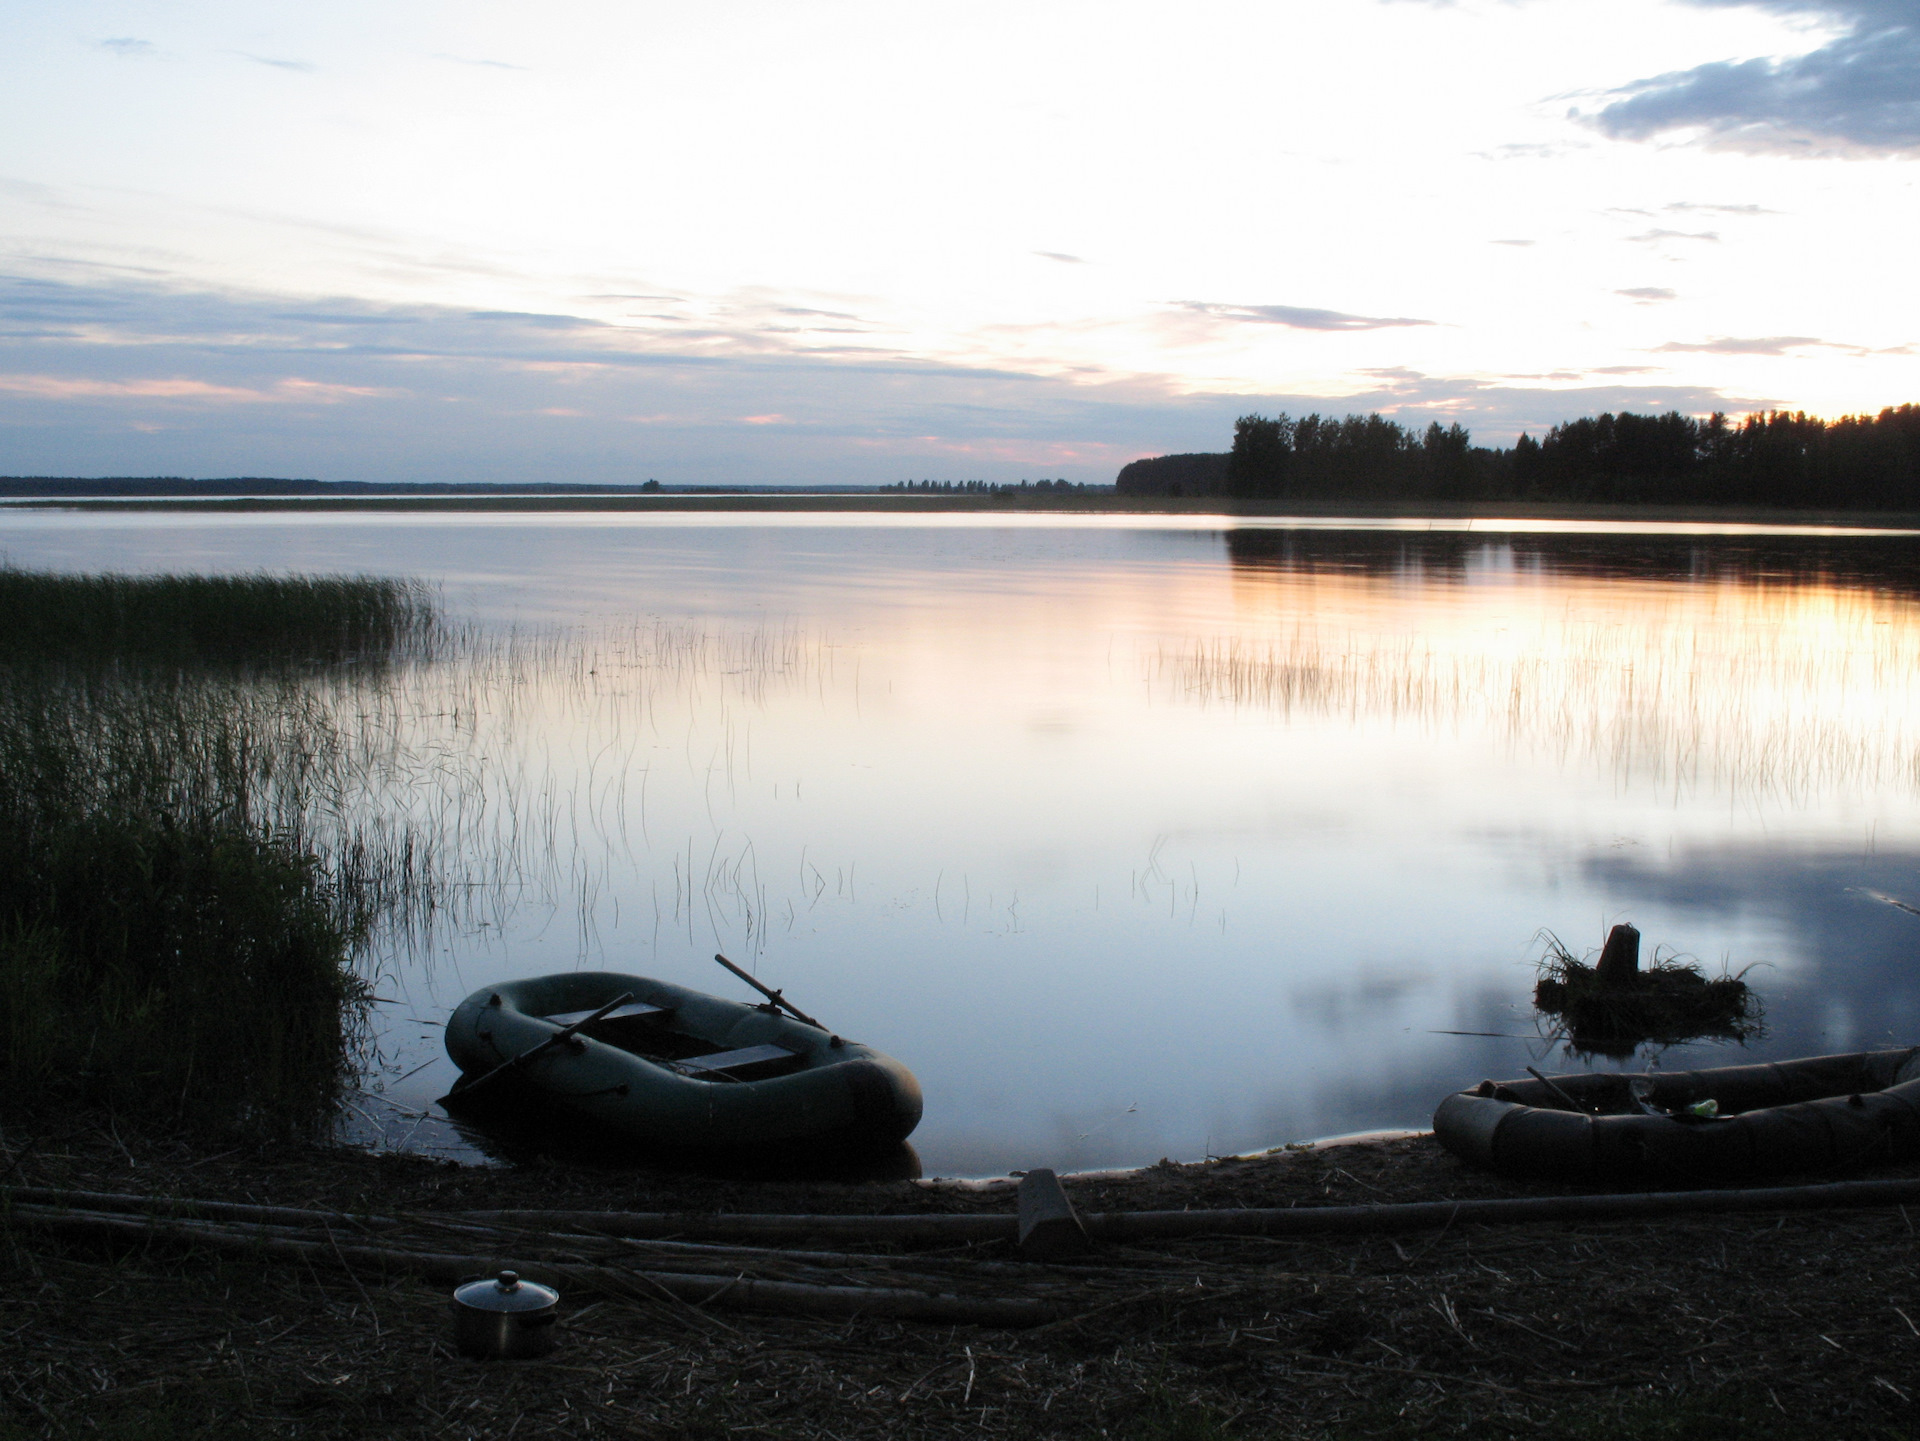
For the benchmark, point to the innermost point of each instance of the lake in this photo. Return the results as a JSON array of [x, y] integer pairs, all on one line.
[[1133, 836]]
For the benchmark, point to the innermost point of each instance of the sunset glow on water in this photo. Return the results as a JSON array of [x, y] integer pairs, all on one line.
[[1131, 838]]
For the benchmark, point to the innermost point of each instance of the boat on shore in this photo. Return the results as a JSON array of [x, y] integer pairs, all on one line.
[[1820, 1113], [658, 1065]]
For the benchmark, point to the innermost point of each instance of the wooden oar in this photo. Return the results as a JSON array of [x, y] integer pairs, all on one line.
[[464, 1088], [772, 996]]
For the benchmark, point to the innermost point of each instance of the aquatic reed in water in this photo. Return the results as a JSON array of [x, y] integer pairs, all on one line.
[[173, 944], [208, 840], [204, 619], [1758, 689]]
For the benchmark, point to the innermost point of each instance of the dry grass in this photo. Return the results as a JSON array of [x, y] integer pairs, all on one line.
[[1753, 1326]]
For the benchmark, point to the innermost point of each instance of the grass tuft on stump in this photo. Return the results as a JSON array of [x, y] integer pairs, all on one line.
[[1665, 1003]]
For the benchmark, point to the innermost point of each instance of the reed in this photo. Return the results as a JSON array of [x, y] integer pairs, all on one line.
[[177, 934], [206, 619]]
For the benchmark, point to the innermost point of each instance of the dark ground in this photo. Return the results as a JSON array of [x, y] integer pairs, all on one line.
[[1749, 1326]]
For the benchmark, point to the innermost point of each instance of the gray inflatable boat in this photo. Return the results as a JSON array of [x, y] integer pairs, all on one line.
[[1822, 1113], [674, 1068]]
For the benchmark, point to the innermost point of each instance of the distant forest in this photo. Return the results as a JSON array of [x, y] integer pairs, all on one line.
[[1780, 458]]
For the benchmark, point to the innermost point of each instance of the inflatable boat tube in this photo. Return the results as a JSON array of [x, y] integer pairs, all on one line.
[[1823, 1113], [678, 1069]]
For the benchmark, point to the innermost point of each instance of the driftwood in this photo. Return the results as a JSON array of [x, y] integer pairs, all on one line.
[[1279, 1221], [935, 1229], [546, 1226], [638, 1254], [941, 1229], [738, 1292]]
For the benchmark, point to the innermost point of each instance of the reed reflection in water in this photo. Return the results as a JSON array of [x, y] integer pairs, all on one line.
[[1713, 687]]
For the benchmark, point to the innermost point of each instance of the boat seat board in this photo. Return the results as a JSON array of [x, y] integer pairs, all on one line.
[[630, 1011], [738, 1060]]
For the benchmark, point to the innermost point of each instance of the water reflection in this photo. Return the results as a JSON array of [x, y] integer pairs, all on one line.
[[1871, 561], [1791, 669], [1853, 981], [1134, 842], [507, 1130]]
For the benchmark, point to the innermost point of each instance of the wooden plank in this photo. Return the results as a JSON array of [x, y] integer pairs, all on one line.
[[631, 1009], [736, 1060], [1049, 1226]]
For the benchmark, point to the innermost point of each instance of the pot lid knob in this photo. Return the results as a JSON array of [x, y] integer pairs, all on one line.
[[505, 1292]]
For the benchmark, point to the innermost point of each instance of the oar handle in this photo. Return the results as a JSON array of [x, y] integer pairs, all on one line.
[[559, 1038], [1562, 1096], [773, 996]]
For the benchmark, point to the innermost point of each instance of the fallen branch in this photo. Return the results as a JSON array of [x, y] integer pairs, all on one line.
[[738, 1293], [943, 1229], [1276, 1221]]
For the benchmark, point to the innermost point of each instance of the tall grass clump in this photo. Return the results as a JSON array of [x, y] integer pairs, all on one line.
[[175, 946], [209, 619]]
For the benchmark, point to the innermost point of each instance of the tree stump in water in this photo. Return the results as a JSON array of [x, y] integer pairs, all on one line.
[[1619, 958]]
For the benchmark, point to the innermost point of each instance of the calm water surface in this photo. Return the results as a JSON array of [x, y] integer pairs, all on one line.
[[1134, 837]]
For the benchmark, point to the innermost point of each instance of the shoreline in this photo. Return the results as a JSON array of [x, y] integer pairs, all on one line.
[[1011, 1181], [1461, 512]]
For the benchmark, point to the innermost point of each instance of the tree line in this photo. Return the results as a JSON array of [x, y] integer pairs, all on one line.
[[1061, 486], [1775, 458]]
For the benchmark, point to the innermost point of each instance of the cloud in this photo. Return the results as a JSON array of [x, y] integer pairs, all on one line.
[[64, 387], [1528, 151], [545, 322], [481, 64], [1297, 317], [1647, 293], [1496, 411], [305, 67], [1515, 242], [1650, 237], [120, 376], [1729, 345], [1720, 209], [129, 47], [1859, 93], [1056, 255]]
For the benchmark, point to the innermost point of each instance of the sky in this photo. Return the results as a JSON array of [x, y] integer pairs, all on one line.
[[812, 243]]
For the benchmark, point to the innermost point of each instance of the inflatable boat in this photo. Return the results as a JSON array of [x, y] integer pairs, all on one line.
[[659, 1065], [1823, 1113]]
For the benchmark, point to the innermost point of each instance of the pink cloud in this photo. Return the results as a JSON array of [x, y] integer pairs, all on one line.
[[290, 391]]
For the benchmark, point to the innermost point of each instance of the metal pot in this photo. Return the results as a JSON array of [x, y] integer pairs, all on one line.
[[505, 1317]]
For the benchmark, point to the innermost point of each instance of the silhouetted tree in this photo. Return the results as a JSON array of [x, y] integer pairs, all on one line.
[[1774, 458]]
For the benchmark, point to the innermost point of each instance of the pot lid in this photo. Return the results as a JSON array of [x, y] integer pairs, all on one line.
[[506, 1292]]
